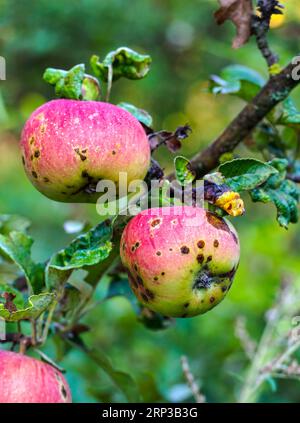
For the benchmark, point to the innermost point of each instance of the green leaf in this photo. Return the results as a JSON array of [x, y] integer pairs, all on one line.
[[290, 114], [17, 248], [37, 304], [282, 192], [122, 380], [245, 174], [183, 170], [238, 80], [123, 62], [87, 249], [9, 223], [140, 114], [74, 83]]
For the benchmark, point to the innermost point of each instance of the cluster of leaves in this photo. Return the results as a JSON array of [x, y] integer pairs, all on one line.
[[277, 138]]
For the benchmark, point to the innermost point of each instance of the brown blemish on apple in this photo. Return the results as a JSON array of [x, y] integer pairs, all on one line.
[[216, 243], [46, 179], [80, 154], [217, 222], [212, 300], [201, 244], [158, 253], [155, 222], [144, 296], [200, 258], [139, 280], [34, 174], [209, 258], [149, 294], [23, 160], [184, 249]]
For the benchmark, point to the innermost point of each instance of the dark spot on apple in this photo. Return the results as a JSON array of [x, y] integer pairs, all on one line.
[[163, 273], [113, 152], [31, 157], [155, 222], [34, 174], [229, 274], [64, 192], [184, 249], [212, 299], [217, 222], [216, 243], [158, 253], [149, 294], [46, 179], [209, 258], [229, 207], [200, 258], [137, 244], [202, 281], [224, 288], [123, 246], [144, 296], [80, 154], [135, 267], [139, 280], [170, 249], [85, 174], [31, 140], [186, 305], [133, 248], [155, 278], [37, 154], [23, 160], [200, 244], [132, 280], [63, 392]]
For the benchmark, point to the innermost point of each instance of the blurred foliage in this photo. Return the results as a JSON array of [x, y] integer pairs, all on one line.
[[186, 47]]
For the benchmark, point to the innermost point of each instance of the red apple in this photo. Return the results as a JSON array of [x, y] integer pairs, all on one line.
[[26, 380], [68, 146]]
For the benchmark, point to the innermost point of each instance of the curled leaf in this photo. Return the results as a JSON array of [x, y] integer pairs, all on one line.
[[37, 304], [123, 62], [238, 80], [172, 140], [74, 83], [183, 169], [240, 13], [88, 249], [140, 114], [245, 174]]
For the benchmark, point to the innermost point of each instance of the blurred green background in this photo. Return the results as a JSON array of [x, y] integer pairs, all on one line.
[[186, 46]]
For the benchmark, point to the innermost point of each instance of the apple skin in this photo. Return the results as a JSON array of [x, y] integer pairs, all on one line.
[[181, 260], [27, 380], [67, 146]]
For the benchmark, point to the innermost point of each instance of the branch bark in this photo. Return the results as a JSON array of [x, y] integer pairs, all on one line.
[[276, 90]]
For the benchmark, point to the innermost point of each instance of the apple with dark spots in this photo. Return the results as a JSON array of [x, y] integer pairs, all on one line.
[[68, 146], [181, 260], [27, 380]]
